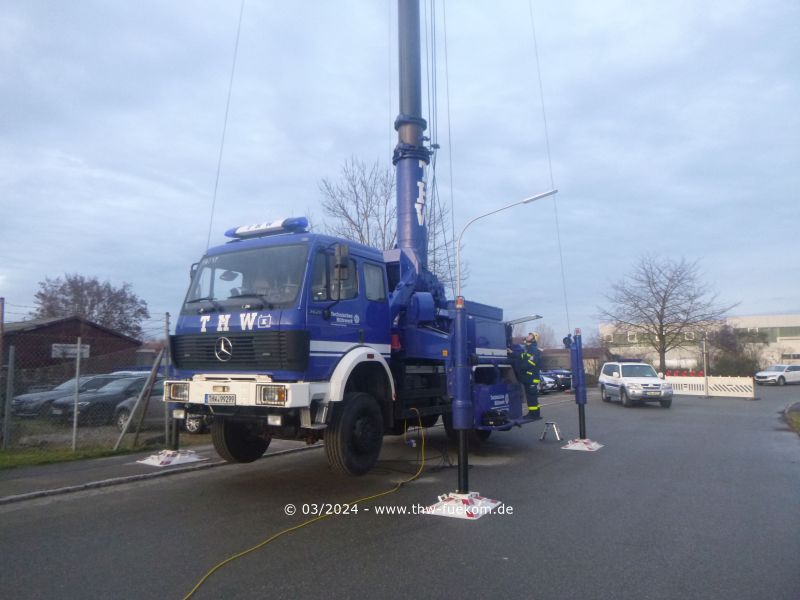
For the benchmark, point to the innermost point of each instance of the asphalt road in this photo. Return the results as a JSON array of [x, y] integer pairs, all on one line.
[[698, 501]]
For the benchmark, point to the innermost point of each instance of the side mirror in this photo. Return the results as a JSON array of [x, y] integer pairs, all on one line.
[[660, 375], [615, 374], [193, 270], [340, 262]]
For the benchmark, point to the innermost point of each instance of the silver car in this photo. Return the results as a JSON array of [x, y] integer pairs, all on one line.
[[779, 375]]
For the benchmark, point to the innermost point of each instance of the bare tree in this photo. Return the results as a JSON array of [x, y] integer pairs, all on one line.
[[360, 205], [660, 301], [547, 337], [116, 308]]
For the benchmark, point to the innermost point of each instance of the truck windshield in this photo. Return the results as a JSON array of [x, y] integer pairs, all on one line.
[[272, 275], [638, 371]]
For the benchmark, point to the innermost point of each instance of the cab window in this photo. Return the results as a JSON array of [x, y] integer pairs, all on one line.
[[325, 287], [374, 284]]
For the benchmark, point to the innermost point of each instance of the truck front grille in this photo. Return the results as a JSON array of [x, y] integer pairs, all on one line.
[[262, 351]]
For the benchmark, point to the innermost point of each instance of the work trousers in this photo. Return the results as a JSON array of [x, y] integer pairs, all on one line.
[[532, 396]]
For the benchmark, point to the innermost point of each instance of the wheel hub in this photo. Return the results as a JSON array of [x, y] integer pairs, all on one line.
[[365, 435]]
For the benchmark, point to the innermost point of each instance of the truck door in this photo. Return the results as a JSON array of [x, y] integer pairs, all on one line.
[[337, 312]]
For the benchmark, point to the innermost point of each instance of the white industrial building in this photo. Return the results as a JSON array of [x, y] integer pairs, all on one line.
[[779, 337]]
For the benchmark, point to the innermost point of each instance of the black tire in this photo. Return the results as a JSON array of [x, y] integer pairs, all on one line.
[[194, 424], [238, 441], [354, 437], [603, 396], [623, 398], [666, 403], [781, 381], [121, 418]]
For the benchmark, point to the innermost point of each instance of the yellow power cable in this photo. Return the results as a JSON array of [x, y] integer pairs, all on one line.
[[230, 559]]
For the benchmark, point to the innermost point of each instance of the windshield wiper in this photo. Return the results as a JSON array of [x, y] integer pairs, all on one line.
[[209, 299]]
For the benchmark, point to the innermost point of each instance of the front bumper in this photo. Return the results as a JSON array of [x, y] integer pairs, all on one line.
[[23, 410], [646, 395], [251, 396]]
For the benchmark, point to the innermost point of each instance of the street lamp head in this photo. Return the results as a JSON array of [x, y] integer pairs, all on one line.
[[497, 210], [539, 196]]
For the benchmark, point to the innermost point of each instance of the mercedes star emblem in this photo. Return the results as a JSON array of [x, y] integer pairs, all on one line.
[[223, 349]]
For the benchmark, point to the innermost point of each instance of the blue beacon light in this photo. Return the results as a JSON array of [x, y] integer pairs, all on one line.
[[290, 225]]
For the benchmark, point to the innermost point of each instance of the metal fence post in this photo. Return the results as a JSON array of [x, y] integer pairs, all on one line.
[[77, 393], [167, 423], [9, 396]]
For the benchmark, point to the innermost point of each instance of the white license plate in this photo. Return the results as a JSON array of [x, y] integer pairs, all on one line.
[[220, 398]]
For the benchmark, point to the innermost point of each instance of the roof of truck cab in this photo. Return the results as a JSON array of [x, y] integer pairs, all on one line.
[[285, 239]]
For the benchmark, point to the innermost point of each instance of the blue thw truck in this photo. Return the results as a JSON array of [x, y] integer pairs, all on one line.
[[290, 334]]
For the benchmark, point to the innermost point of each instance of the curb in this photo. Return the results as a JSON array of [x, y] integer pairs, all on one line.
[[791, 408], [131, 478]]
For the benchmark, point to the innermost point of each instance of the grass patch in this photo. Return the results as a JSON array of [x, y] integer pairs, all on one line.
[[793, 418], [10, 459]]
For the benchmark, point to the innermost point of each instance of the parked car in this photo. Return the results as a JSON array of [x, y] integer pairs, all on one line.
[[779, 375], [154, 417], [546, 384], [634, 382], [197, 423], [97, 408], [39, 404], [563, 377]]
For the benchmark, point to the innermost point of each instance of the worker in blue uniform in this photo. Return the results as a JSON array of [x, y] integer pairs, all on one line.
[[527, 361]]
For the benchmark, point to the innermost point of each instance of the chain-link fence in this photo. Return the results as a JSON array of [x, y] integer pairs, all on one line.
[[70, 394]]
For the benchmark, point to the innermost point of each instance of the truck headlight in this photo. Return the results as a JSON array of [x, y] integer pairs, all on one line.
[[177, 392], [635, 386], [274, 395], [666, 387]]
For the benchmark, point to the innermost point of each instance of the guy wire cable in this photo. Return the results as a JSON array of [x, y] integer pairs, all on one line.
[[225, 125], [549, 161]]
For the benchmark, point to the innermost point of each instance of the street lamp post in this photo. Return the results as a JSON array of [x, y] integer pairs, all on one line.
[[462, 402]]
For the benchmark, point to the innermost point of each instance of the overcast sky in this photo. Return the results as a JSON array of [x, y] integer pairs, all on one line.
[[674, 129]]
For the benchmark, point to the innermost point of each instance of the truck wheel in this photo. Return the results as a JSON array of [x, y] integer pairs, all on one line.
[[666, 403], [236, 441], [603, 396], [354, 438], [623, 397]]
